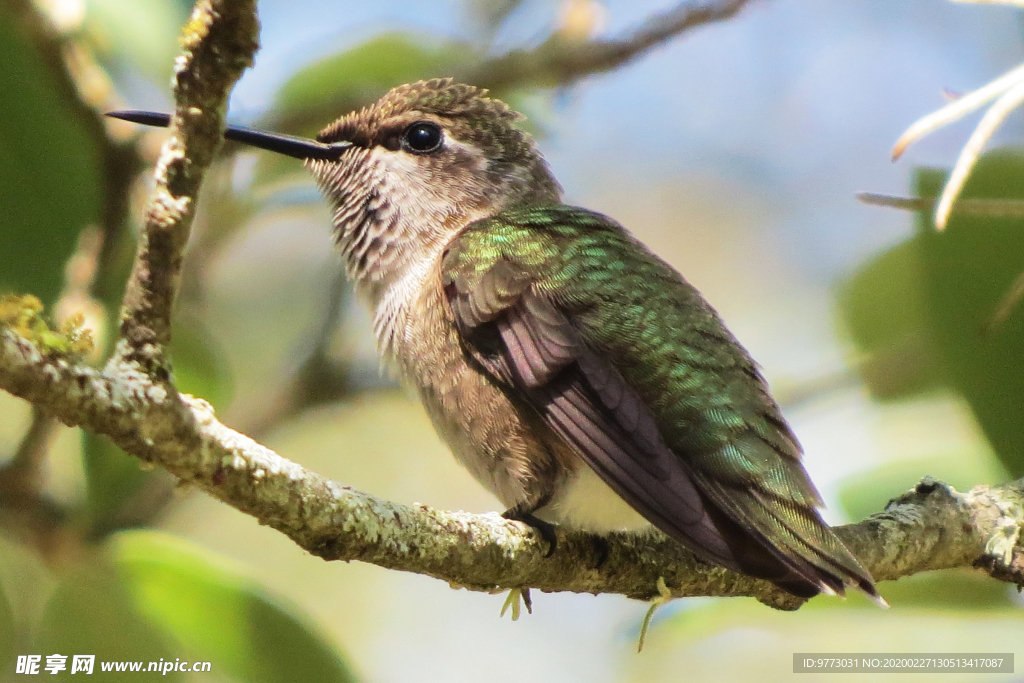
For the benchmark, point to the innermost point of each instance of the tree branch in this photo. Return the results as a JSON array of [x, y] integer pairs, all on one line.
[[561, 62], [219, 42], [931, 527]]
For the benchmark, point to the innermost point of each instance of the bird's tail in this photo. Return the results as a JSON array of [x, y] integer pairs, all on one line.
[[785, 542]]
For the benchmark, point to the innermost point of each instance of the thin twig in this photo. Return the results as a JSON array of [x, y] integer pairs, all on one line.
[[988, 208], [1008, 93], [559, 62], [1006, 304]]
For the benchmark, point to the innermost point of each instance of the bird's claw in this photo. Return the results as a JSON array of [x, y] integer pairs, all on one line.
[[545, 529], [516, 598]]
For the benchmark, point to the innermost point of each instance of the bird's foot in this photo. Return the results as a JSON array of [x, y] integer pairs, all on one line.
[[545, 529], [517, 597]]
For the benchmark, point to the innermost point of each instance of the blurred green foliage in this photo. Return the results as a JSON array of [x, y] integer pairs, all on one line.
[[883, 308], [133, 597], [7, 632], [216, 614], [50, 185], [148, 596], [141, 33], [865, 494], [198, 362], [91, 612], [967, 270], [112, 479], [924, 313]]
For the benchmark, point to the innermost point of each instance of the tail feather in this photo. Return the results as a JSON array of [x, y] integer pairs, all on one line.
[[785, 543], [819, 541]]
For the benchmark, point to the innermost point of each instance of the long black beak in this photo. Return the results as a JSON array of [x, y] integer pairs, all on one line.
[[290, 145]]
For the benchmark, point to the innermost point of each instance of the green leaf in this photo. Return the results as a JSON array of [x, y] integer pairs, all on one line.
[[883, 309], [219, 615], [968, 270], [91, 612], [925, 312], [49, 173]]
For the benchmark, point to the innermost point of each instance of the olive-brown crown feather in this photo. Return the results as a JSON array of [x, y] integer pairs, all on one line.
[[464, 111]]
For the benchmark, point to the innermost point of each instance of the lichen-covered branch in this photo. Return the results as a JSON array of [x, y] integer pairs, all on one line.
[[931, 527], [219, 43]]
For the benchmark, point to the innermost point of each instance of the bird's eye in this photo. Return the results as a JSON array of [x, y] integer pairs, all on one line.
[[422, 137]]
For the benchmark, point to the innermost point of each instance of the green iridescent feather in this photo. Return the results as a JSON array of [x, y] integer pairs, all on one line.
[[611, 346]]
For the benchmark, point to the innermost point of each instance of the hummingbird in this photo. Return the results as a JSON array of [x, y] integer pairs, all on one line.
[[573, 372]]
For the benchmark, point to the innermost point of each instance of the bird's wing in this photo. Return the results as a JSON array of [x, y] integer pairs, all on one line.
[[627, 363], [528, 344]]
